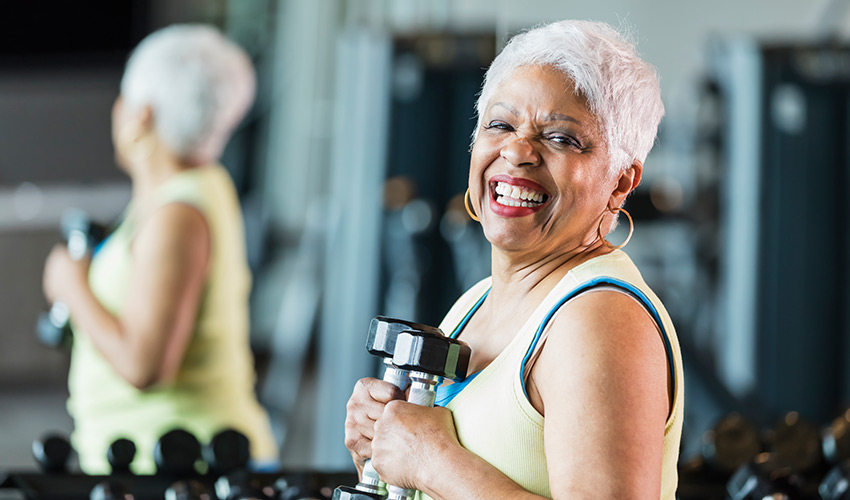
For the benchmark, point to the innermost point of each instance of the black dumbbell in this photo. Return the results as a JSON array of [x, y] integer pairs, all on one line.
[[81, 236], [52, 452], [765, 478], [300, 487], [188, 489], [227, 451], [110, 490], [731, 443], [796, 443], [240, 485], [429, 356], [176, 453], [381, 342], [836, 483], [120, 455]]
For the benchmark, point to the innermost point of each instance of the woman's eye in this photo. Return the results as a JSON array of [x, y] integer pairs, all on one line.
[[495, 124], [565, 140]]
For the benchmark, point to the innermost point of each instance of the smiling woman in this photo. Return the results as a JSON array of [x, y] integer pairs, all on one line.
[[576, 386]]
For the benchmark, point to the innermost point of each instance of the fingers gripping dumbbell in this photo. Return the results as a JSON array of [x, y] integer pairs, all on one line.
[[82, 236], [429, 356], [381, 342]]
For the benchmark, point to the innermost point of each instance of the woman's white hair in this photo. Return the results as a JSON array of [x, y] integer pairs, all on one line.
[[198, 84], [620, 88]]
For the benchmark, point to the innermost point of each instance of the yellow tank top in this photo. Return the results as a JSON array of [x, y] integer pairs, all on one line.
[[513, 443], [214, 388]]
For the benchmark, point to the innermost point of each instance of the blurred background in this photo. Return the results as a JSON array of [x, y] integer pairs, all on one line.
[[351, 165]]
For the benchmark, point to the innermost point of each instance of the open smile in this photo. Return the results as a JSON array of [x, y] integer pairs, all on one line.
[[514, 197]]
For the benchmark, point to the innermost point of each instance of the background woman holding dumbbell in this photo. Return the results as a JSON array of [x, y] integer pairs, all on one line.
[[160, 315], [576, 386]]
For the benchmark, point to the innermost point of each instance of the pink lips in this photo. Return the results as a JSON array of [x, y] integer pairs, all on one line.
[[506, 211]]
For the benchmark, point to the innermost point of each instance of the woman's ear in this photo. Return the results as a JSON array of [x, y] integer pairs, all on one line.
[[627, 181]]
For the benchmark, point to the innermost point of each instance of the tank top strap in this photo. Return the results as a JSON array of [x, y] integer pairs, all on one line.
[[542, 330]]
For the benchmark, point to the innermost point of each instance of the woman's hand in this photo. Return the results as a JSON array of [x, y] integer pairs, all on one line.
[[408, 440], [64, 276], [364, 408]]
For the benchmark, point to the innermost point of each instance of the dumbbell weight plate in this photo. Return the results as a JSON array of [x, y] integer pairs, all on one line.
[[52, 453], [176, 453], [120, 455], [731, 443], [797, 443], [228, 450]]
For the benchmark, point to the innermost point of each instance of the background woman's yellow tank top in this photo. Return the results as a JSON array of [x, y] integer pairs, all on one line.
[[214, 388]]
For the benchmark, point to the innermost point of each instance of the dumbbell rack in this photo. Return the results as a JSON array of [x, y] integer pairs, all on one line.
[[77, 486]]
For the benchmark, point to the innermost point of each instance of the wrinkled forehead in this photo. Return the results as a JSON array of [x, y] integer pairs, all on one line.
[[541, 91]]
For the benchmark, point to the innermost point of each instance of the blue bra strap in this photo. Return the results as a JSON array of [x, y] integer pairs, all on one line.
[[603, 280], [460, 326]]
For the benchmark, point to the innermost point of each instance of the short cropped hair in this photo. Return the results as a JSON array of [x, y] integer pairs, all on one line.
[[198, 84], [620, 88]]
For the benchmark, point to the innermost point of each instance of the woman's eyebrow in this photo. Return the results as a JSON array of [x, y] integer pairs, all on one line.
[[512, 110], [558, 117]]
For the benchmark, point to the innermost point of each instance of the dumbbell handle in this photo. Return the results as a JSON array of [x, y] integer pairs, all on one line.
[[423, 393]]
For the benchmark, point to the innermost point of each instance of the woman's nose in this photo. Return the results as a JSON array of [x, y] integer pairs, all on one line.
[[519, 152]]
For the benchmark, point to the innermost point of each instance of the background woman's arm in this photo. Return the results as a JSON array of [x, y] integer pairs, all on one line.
[[170, 257]]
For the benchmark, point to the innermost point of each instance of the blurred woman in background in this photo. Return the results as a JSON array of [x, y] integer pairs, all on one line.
[[576, 386], [160, 314]]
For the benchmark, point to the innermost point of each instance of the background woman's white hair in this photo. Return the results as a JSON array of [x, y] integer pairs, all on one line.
[[198, 84], [620, 88]]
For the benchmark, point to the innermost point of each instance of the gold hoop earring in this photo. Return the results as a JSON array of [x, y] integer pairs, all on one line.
[[467, 204], [631, 228]]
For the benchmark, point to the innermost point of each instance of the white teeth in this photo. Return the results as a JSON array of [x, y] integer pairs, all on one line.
[[514, 196]]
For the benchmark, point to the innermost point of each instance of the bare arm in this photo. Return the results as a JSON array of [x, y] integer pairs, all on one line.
[[147, 343], [602, 381]]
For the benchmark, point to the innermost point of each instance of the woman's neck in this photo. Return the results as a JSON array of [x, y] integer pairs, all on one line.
[[516, 277], [149, 175]]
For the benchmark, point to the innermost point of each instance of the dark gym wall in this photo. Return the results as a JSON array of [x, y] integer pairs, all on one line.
[[803, 238]]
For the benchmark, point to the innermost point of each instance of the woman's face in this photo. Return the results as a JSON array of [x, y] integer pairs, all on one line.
[[120, 120], [539, 175]]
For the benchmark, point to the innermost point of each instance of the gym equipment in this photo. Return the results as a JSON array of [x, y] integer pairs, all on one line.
[[52, 452], [427, 355], [240, 485], [120, 455], [81, 236], [731, 443], [176, 452], [836, 439], [836, 484], [110, 490], [187, 489], [300, 487], [796, 443], [764, 478], [227, 451], [381, 342]]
